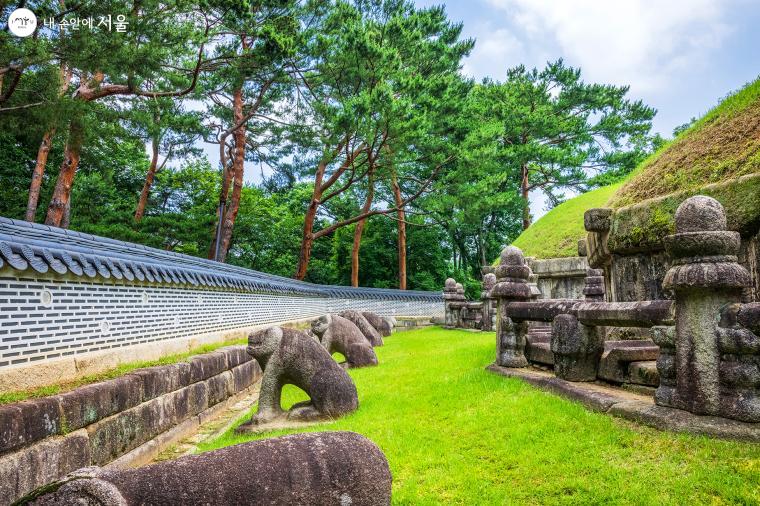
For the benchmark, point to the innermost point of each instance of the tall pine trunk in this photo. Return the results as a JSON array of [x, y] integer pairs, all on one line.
[[401, 217], [149, 177], [38, 174], [238, 163], [42, 157], [525, 192], [307, 239], [227, 174], [358, 233], [59, 208]]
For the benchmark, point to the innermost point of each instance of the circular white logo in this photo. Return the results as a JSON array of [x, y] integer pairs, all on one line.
[[22, 22]]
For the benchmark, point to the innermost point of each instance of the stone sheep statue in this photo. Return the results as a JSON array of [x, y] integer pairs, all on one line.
[[340, 335], [291, 357], [322, 468], [381, 324], [358, 319]]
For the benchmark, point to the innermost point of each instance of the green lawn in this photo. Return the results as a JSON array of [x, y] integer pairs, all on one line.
[[457, 434]]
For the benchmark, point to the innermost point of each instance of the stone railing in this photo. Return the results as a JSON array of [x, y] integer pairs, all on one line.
[[705, 340], [459, 313]]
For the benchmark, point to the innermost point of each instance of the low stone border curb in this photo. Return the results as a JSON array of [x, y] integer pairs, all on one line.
[[634, 407]]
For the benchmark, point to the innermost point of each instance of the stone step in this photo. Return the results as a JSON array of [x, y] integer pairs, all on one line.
[[644, 373], [539, 351], [617, 356]]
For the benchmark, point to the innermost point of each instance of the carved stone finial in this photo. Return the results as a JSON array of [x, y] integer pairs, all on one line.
[[512, 275], [598, 219], [702, 250], [489, 281]]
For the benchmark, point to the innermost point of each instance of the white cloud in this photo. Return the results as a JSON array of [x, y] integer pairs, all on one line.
[[644, 43], [494, 50]]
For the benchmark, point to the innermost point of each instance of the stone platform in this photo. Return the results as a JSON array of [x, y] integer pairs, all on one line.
[[633, 406]]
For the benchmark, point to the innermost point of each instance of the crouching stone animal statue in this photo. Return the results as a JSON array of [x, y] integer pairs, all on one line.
[[358, 319], [291, 357], [382, 325], [323, 468], [340, 335]]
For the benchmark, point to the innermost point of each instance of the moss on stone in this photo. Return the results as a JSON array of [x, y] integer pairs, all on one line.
[[642, 226]]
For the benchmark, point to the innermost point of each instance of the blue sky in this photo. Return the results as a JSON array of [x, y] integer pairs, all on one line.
[[678, 56]]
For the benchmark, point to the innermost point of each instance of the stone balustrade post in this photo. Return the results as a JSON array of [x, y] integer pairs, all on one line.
[[593, 291], [453, 299], [704, 277], [577, 347], [489, 281], [511, 285]]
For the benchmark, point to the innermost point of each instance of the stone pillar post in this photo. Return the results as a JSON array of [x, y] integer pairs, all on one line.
[[577, 348], [449, 295], [458, 306], [489, 281], [454, 300], [593, 291], [704, 277], [511, 285]]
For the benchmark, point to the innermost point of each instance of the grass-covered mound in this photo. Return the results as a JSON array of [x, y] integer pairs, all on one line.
[[722, 145], [556, 234], [454, 433]]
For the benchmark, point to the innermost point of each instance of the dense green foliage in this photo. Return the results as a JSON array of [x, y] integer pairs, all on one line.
[[455, 433], [375, 153]]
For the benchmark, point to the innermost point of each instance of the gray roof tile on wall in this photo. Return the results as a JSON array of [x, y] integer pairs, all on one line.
[[54, 251]]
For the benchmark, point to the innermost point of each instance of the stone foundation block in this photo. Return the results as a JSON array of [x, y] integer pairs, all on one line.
[[236, 355], [25, 470], [91, 403], [190, 400], [617, 355], [23, 423], [116, 435], [220, 387], [245, 375], [202, 367], [160, 380], [644, 373]]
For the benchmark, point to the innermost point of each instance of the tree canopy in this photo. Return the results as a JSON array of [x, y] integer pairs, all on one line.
[[351, 147]]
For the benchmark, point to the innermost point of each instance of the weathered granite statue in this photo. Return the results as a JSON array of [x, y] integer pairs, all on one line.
[[358, 319], [291, 357], [709, 364], [489, 303], [322, 468], [511, 285], [381, 324], [340, 335]]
